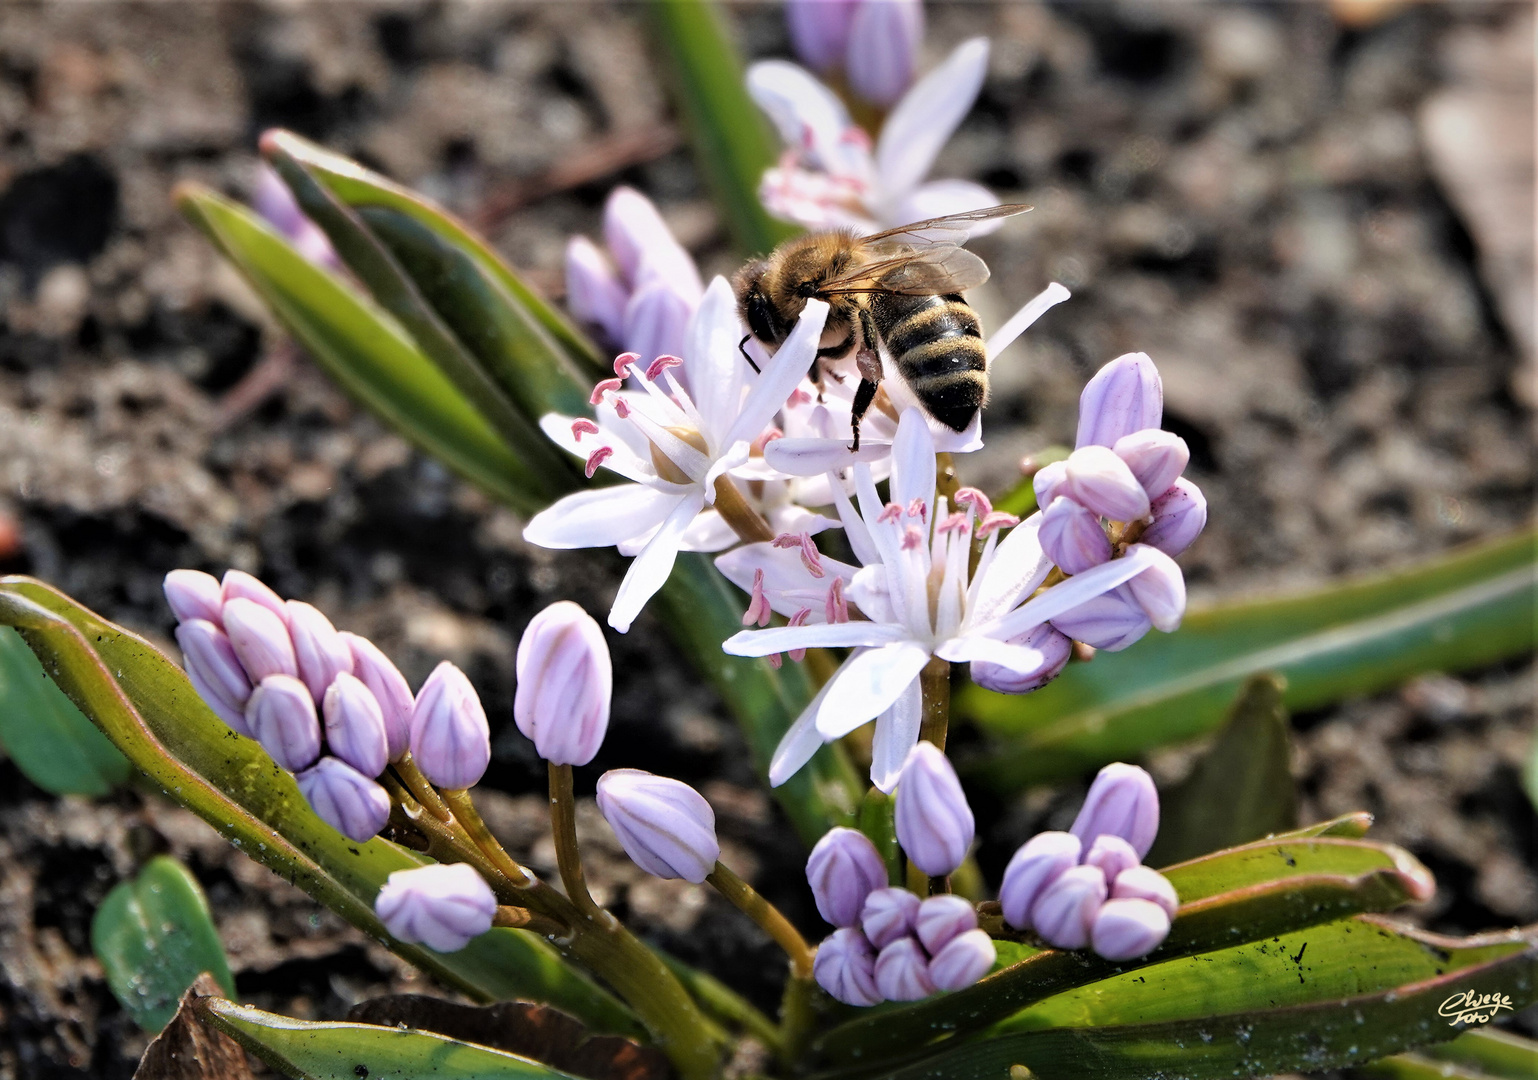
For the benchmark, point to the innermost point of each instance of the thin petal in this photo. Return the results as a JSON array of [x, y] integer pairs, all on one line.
[[600, 518], [897, 731], [927, 115], [707, 532], [786, 368], [1015, 569], [649, 570], [1021, 320], [812, 636], [913, 461], [964, 650], [809, 116], [813, 457], [799, 742], [717, 371], [941, 198], [855, 532], [557, 429], [1069, 594], [868, 684]]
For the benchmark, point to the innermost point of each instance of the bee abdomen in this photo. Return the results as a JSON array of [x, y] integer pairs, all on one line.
[[938, 347]]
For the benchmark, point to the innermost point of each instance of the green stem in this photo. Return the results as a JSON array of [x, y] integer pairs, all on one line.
[[935, 683], [767, 916], [795, 1019], [469, 821], [563, 823]]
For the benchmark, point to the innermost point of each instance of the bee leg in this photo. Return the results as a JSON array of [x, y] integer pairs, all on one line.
[[745, 355], [869, 364]]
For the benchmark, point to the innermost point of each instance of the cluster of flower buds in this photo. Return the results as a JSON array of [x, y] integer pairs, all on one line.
[[874, 42], [1087, 887]]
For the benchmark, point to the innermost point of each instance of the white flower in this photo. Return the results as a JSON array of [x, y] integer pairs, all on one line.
[[672, 444], [917, 598]]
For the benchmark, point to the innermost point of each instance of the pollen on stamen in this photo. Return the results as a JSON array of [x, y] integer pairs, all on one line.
[[623, 361], [970, 496], [597, 458], [996, 519], [605, 387], [621, 409], [811, 558], [954, 523], [661, 364], [835, 607], [890, 513], [758, 607], [582, 426], [918, 508]]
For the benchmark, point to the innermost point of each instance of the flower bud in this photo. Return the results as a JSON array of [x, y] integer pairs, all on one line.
[[843, 869], [644, 247], [845, 968], [440, 906], [1048, 482], [260, 638], [193, 594], [884, 39], [934, 822], [1127, 929], [564, 684], [1072, 537], [965, 959], [1066, 909], [1112, 854], [656, 321], [665, 826], [941, 918], [1146, 883], [1124, 396], [902, 971], [1055, 647], [1111, 621], [1039, 862], [355, 730], [214, 671], [281, 716], [819, 30], [345, 799], [594, 292], [1102, 483], [1156, 458], [450, 739], [319, 650], [889, 914], [390, 689], [238, 584], [1179, 516], [1160, 590], [1121, 802]]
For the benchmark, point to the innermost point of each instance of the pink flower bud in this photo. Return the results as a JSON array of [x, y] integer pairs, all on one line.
[[819, 30], [942, 918], [934, 822], [843, 869], [1127, 929], [1066, 909], [355, 730], [1146, 883], [450, 739], [656, 321], [565, 681], [1111, 621], [1160, 590], [240, 585], [594, 292], [193, 594], [319, 650], [884, 40], [389, 688], [345, 799], [1102, 483], [665, 826], [260, 639], [1156, 458], [440, 906], [1055, 647], [1072, 537], [902, 971], [1121, 802], [889, 914], [1112, 854], [1048, 482], [1124, 396], [964, 959], [1179, 516], [281, 716], [215, 671], [845, 968], [1039, 862]]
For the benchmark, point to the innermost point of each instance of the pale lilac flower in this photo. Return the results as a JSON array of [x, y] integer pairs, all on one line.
[[1160, 590], [345, 799], [390, 690], [241, 585], [843, 870], [665, 826], [934, 823], [1098, 480], [1145, 883], [889, 914], [1128, 929], [1039, 862], [1073, 537], [882, 54], [902, 971], [260, 639], [1112, 621], [1156, 458], [1056, 649], [281, 716], [1112, 855], [1065, 911], [450, 739], [1124, 396], [193, 594], [1122, 802], [355, 728], [845, 968], [440, 906], [272, 199], [964, 959], [215, 671], [565, 681], [319, 650], [819, 30], [1179, 516], [941, 919]]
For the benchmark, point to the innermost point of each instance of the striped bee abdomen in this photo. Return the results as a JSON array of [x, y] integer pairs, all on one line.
[[936, 344]]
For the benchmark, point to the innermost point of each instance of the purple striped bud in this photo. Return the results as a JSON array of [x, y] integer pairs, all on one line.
[[1121, 802], [942, 918], [240, 585], [345, 799], [1066, 909], [260, 639], [355, 730], [843, 869], [1112, 855], [882, 54], [1048, 482], [819, 30], [1146, 883], [1039, 862], [193, 594], [902, 971], [845, 968], [440, 906], [1102, 483], [965, 959], [665, 826], [1055, 647], [934, 823], [594, 292], [1179, 516], [281, 716], [450, 739], [1160, 590], [215, 672], [565, 681], [889, 914], [657, 321], [321, 653], [1124, 396], [1156, 458], [390, 689], [1072, 537], [1111, 621], [1127, 929]]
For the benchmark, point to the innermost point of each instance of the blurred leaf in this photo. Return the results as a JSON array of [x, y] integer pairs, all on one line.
[[188, 1049], [732, 141], [53, 743], [1530, 774], [1241, 789], [154, 936], [1468, 609], [1020, 500], [1492, 1052], [363, 349]]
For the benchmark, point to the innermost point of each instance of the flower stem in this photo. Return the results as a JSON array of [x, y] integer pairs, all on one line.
[[796, 1019], [935, 684], [421, 788], [519, 918], [475, 829], [947, 483], [767, 916], [563, 823], [747, 523]]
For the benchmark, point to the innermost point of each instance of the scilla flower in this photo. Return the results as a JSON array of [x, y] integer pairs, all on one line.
[[440, 906]]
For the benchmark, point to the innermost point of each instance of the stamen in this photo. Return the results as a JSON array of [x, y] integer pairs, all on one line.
[[655, 369], [891, 513], [811, 558], [583, 426], [970, 496], [597, 458], [758, 608], [621, 409], [607, 386], [835, 607], [996, 519], [918, 508], [798, 396], [757, 449], [954, 523], [799, 619], [913, 537], [623, 361], [775, 660]]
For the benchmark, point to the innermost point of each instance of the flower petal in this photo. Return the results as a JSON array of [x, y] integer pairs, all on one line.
[[897, 730], [913, 461], [810, 117], [800, 741], [1008, 574], [868, 684], [813, 457], [812, 636], [601, 517], [964, 650], [1069, 594], [649, 570], [718, 374], [1021, 320], [926, 117], [557, 429], [786, 368]]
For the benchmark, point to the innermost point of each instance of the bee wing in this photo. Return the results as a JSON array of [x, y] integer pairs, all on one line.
[[933, 270], [951, 229]]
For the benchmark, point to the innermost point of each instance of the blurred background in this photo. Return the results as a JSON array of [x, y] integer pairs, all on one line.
[[1316, 217]]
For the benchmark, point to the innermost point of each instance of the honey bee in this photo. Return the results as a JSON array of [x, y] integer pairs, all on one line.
[[899, 290]]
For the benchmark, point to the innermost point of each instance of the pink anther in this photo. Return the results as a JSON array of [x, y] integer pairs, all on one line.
[[583, 426], [758, 607], [954, 523], [621, 409], [661, 364], [997, 519], [970, 496], [799, 619], [918, 508], [606, 387], [765, 439], [913, 537], [798, 397], [623, 361], [890, 513], [835, 607], [597, 458], [811, 558]]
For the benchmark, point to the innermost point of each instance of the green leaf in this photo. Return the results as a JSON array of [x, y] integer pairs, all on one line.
[[1492, 1052], [53, 743], [1471, 608], [1241, 789], [363, 348], [154, 936], [732, 142], [145, 705]]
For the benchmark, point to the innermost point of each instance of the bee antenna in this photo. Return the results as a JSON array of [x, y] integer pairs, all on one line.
[[745, 355]]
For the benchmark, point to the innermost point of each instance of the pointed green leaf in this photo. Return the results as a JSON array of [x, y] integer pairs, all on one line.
[[154, 936], [1492, 1052]]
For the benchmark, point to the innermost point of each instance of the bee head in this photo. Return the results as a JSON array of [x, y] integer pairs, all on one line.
[[754, 306]]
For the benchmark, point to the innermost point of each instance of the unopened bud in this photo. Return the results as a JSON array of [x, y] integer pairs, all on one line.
[[1121, 802], [1146, 883], [1055, 648], [1039, 862], [1073, 537], [193, 594], [355, 730], [215, 671], [1156, 458], [964, 959], [565, 681], [260, 639], [281, 716], [942, 918], [819, 30], [344, 798], [644, 246], [845, 968], [239, 585], [1112, 854], [934, 823], [321, 653], [450, 739], [884, 40], [390, 689], [440, 906], [1124, 396], [1048, 482], [1066, 909], [1101, 481], [902, 971], [1127, 929], [889, 914], [594, 292], [1160, 590], [1111, 621], [843, 869], [1179, 516], [665, 826]]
